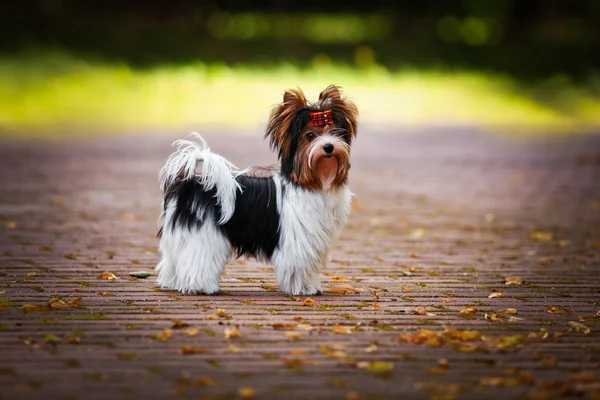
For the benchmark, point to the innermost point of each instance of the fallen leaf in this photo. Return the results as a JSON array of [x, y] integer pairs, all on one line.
[[247, 393], [447, 300], [309, 302], [422, 311], [164, 335], [232, 333], [541, 235], [107, 276], [556, 310], [191, 331], [469, 310], [205, 381], [232, 348], [293, 335], [513, 280], [11, 225], [338, 278], [341, 330], [545, 260], [105, 294], [127, 356], [30, 275], [344, 289], [493, 295], [191, 350], [27, 308], [372, 348], [378, 306], [376, 367], [177, 324], [50, 338], [507, 311], [578, 327], [298, 352]]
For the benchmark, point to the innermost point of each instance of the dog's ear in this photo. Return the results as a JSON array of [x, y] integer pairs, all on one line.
[[345, 112], [281, 119], [331, 92]]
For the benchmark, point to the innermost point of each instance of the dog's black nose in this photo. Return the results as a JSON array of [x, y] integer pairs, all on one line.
[[328, 148]]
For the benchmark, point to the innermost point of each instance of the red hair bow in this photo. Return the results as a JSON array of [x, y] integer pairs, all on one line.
[[321, 118]]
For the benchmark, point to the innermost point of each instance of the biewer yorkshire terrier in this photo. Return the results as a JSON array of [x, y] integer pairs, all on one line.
[[289, 219]]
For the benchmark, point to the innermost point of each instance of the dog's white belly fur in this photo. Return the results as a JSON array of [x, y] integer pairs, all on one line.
[[309, 223]]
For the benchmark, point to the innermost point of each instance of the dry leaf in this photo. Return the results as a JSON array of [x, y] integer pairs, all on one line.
[[205, 381], [232, 333], [164, 335], [372, 348], [541, 235], [513, 280], [422, 311], [30, 275], [341, 330], [578, 327], [469, 310], [191, 331], [247, 393], [493, 295], [309, 302], [344, 289], [190, 350], [34, 307], [293, 335], [298, 352], [556, 310], [177, 324], [232, 348], [376, 367], [11, 225], [447, 300], [378, 306], [337, 278], [107, 276], [507, 311]]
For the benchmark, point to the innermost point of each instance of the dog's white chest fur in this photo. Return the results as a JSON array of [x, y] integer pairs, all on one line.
[[309, 223]]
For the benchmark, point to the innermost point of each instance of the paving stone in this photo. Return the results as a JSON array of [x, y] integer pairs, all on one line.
[[442, 219]]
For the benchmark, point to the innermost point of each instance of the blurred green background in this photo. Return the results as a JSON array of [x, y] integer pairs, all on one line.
[[79, 66]]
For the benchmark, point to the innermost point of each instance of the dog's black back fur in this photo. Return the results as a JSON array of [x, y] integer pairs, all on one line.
[[253, 229]]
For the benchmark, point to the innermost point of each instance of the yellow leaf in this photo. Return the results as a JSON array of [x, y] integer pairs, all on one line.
[[344, 289], [376, 367], [232, 333], [247, 393], [107, 276], [233, 349], [309, 302], [493, 295], [447, 300], [513, 280], [30, 275], [578, 327], [337, 278], [541, 235], [293, 335], [468, 310], [372, 348], [298, 352], [164, 335], [341, 330]]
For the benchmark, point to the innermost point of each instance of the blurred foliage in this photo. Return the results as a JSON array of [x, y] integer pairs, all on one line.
[[526, 38], [127, 63], [54, 92]]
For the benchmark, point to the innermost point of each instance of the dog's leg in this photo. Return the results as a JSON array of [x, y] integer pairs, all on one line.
[[296, 278], [198, 257]]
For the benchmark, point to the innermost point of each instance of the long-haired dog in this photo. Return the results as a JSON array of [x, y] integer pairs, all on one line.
[[289, 219]]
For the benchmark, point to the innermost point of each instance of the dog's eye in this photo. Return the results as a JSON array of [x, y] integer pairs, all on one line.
[[310, 135]]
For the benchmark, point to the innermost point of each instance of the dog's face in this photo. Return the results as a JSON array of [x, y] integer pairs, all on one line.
[[313, 140]]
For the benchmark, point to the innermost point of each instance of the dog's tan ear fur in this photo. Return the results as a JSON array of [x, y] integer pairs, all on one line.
[[281, 119], [344, 110]]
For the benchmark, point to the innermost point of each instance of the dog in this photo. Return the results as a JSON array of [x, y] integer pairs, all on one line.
[[289, 219]]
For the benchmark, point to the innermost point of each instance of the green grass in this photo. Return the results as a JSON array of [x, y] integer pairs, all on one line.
[[57, 94]]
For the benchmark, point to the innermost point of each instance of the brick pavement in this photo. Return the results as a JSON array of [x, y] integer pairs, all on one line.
[[442, 218]]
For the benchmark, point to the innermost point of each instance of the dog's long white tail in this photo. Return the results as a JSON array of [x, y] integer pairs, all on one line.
[[217, 172]]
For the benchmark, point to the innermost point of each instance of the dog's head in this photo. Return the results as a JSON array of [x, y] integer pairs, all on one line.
[[313, 139]]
